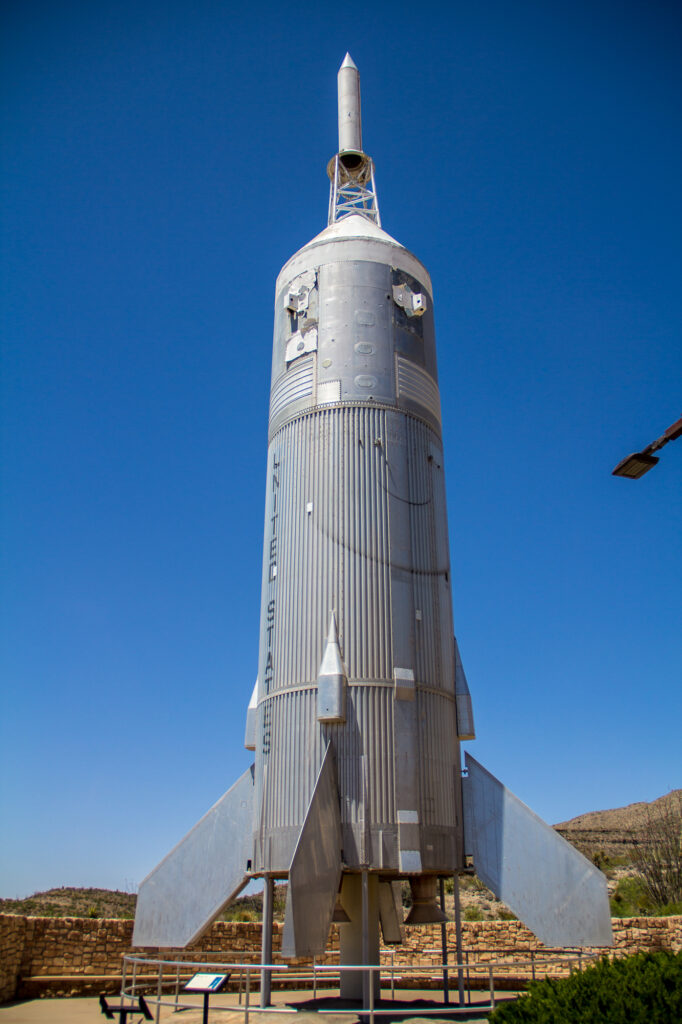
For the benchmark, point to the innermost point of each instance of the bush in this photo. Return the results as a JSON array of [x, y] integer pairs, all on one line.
[[641, 989], [472, 913], [631, 899], [657, 851]]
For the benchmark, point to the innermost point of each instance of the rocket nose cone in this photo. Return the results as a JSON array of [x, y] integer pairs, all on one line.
[[348, 62]]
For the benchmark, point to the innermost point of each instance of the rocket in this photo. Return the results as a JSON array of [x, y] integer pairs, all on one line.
[[361, 700]]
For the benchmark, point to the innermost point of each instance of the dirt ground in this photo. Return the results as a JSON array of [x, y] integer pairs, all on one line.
[[306, 1011]]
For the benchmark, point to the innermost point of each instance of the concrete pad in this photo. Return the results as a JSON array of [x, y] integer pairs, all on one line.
[[306, 1010]]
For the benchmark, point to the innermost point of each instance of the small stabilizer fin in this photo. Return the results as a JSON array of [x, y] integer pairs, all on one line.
[[181, 897], [464, 707], [315, 871], [332, 680], [548, 884], [251, 719]]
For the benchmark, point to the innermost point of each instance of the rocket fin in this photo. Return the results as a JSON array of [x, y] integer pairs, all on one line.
[[465, 711], [552, 888], [315, 870], [180, 898], [391, 913], [251, 719]]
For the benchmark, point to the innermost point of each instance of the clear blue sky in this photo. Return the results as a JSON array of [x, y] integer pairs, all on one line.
[[160, 162]]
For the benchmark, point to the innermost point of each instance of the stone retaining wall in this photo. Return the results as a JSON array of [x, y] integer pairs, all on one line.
[[69, 956]]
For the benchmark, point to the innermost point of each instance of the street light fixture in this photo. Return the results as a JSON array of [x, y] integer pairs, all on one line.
[[639, 463]]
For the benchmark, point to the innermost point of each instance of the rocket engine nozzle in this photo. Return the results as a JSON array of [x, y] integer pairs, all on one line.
[[424, 908]]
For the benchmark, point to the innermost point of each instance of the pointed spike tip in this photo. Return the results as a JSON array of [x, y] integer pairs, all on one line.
[[348, 62], [332, 637]]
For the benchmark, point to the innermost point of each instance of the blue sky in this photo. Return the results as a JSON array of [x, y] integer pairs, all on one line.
[[160, 162]]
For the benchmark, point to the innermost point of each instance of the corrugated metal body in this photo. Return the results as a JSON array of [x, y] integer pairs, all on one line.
[[355, 525], [332, 545]]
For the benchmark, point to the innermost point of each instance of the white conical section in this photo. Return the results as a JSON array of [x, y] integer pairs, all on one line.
[[331, 680], [331, 664]]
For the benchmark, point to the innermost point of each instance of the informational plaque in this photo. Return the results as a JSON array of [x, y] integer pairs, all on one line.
[[204, 982]]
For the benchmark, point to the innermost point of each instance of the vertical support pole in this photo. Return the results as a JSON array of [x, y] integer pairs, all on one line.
[[351, 935], [491, 986], [123, 977], [371, 993], [247, 996], [458, 940], [177, 985], [444, 944], [468, 978], [333, 192], [266, 941], [365, 936], [374, 192], [159, 986]]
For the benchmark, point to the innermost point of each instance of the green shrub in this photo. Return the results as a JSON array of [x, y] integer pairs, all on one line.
[[472, 913], [630, 899], [641, 989]]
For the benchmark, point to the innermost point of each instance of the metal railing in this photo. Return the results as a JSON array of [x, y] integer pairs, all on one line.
[[172, 974]]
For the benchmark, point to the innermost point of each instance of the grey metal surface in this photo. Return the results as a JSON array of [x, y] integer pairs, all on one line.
[[350, 125], [356, 524], [315, 871], [465, 711], [332, 681], [251, 720], [551, 887], [391, 912], [362, 240], [358, 944], [266, 940], [180, 898]]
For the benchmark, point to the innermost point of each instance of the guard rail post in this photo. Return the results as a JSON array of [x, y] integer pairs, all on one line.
[[159, 986]]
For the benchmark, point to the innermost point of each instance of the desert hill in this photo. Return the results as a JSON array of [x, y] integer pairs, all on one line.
[[612, 833], [73, 902]]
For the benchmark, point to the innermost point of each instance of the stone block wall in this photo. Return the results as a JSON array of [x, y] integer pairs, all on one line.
[[69, 956], [12, 936]]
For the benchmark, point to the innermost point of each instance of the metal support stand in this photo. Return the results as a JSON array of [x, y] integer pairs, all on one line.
[[266, 941], [124, 1010], [444, 944], [458, 941], [352, 190], [359, 937], [365, 936]]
